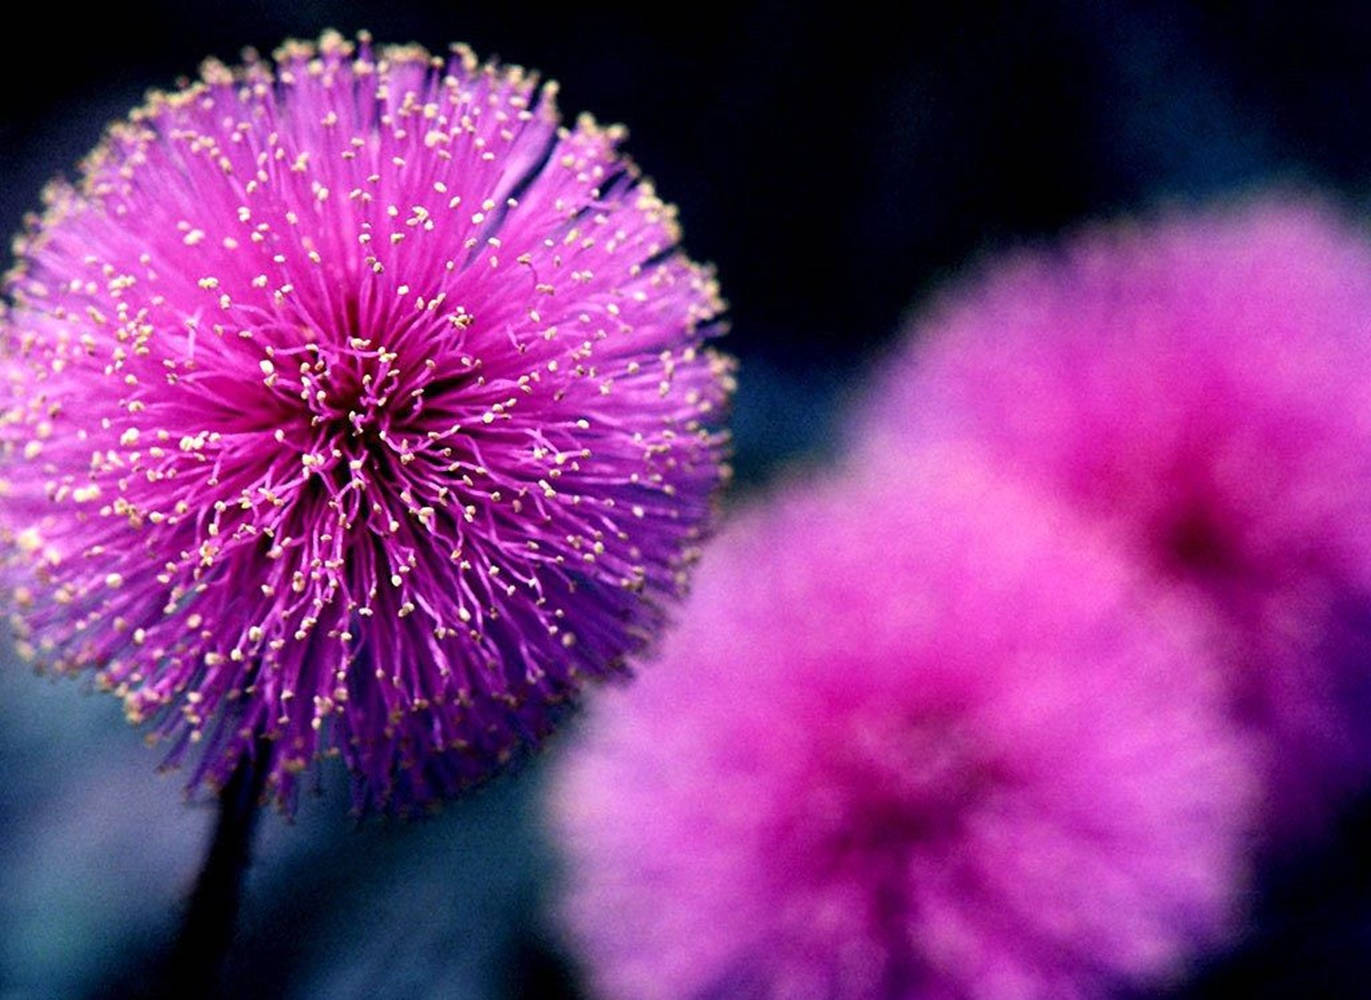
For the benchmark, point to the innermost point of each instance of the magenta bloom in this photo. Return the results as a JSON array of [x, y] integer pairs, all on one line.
[[1202, 386], [911, 741], [357, 404]]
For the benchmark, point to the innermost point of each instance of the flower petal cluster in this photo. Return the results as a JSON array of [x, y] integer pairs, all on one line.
[[1200, 385], [920, 735], [358, 406]]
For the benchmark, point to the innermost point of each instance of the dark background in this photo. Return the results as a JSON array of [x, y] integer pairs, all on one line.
[[836, 164]]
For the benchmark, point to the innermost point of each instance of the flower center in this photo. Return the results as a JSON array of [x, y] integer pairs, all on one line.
[[888, 791], [1196, 543]]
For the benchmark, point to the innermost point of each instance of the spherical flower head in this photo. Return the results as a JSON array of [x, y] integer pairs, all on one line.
[[1202, 385], [359, 407], [913, 739]]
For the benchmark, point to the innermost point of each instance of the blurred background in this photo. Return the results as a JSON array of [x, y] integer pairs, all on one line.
[[836, 166]]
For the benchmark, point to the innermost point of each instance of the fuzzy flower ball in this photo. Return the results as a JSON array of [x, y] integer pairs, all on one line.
[[914, 741], [357, 406], [1202, 386]]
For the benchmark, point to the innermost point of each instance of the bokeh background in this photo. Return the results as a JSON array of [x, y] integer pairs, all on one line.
[[837, 165]]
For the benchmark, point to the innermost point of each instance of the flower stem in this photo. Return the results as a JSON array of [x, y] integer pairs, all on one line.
[[198, 955]]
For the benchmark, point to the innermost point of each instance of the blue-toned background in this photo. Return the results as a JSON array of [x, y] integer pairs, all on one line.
[[835, 166]]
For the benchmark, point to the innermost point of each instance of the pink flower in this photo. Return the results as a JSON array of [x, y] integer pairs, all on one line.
[[357, 404], [919, 737], [1200, 385]]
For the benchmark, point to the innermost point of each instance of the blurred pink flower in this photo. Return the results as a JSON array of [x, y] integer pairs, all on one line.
[[1202, 386], [913, 739]]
